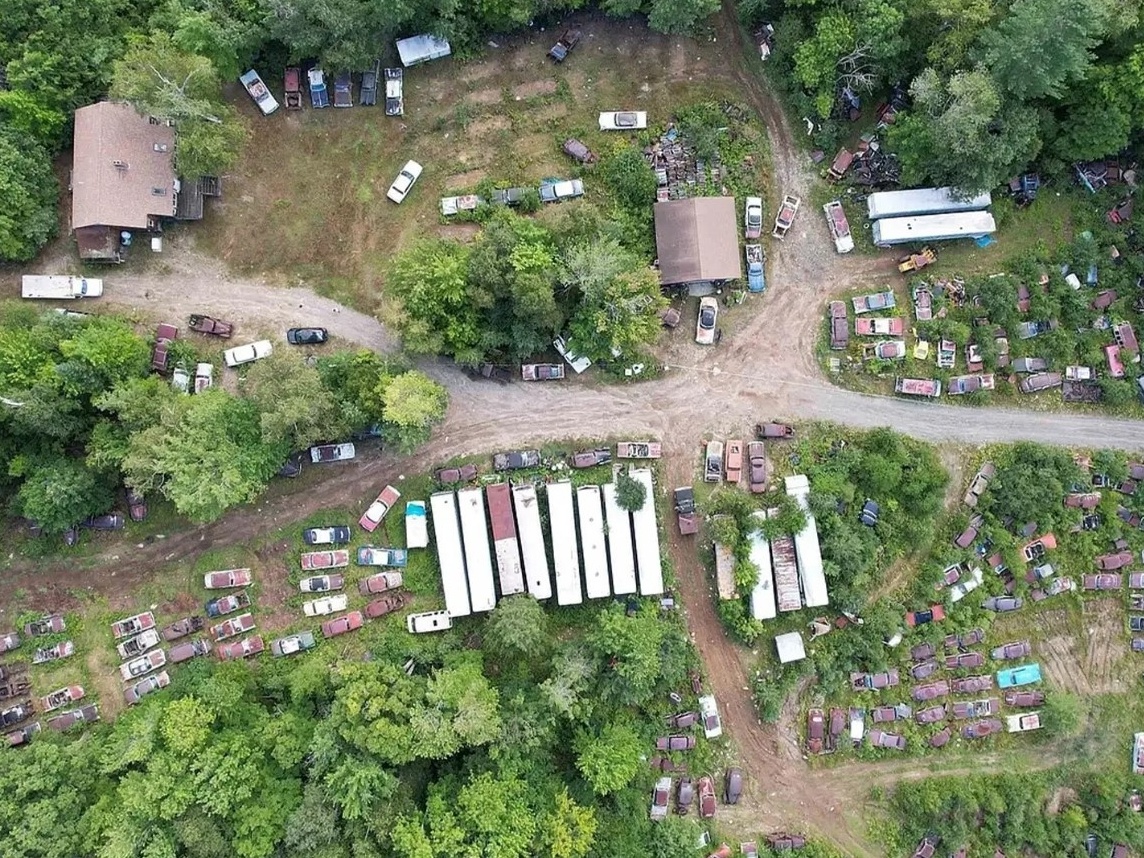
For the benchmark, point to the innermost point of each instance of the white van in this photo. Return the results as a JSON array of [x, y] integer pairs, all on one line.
[[429, 621]]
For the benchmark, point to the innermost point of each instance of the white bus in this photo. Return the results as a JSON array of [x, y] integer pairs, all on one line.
[[592, 546], [505, 544], [565, 555], [619, 527], [647, 538], [763, 593], [938, 227], [923, 201], [810, 573], [531, 535], [478, 557], [450, 556]]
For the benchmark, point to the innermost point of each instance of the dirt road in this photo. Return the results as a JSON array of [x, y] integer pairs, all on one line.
[[764, 368]]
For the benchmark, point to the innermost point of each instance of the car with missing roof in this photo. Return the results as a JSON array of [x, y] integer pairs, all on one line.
[[61, 697], [341, 625], [321, 583], [181, 628], [143, 665], [47, 625], [705, 323], [227, 604], [975, 708]]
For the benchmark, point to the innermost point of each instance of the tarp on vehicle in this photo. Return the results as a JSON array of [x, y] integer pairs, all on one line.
[[421, 49]]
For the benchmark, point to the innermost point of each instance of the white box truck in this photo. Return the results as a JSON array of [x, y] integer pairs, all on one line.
[[57, 286]]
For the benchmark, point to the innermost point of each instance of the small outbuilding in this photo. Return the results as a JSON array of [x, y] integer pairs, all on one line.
[[697, 240], [790, 647], [421, 49]]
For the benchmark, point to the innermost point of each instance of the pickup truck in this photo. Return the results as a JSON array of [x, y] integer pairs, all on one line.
[[368, 96], [564, 45], [343, 90], [394, 94], [319, 95], [332, 453], [765, 431], [210, 325], [59, 286], [785, 218], [542, 371], [516, 460], [756, 277], [165, 334], [839, 226], [292, 88]]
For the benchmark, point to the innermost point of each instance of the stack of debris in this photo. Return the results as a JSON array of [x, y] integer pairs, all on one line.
[[765, 38], [888, 110], [1094, 175], [1024, 188], [679, 172], [873, 166]]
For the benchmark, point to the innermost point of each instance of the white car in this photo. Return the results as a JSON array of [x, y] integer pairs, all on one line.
[[245, 354], [404, 181], [753, 217], [554, 191], [416, 525], [204, 377], [705, 326], [709, 714], [181, 380], [623, 120], [429, 621], [325, 605]]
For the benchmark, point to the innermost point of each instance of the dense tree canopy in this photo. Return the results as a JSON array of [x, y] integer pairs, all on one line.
[[28, 193]]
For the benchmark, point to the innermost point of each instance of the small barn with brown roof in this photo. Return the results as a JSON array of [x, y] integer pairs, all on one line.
[[697, 240], [123, 177]]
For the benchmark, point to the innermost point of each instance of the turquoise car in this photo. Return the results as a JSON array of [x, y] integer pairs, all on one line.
[[1023, 675]]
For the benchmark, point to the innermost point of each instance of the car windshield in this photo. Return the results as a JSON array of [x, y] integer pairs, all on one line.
[[707, 318], [625, 119], [755, 214]]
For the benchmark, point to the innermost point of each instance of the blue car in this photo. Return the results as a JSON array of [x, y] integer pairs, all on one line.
[[756, 275], [1023, 675]]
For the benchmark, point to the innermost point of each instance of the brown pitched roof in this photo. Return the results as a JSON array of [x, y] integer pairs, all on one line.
[[123, 171], [697, 239]]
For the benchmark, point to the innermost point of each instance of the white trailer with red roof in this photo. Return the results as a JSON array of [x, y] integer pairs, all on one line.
[[478, 556], [619, 544], [647, 538], [506, 546], [592, 546], [785, 569], [450, 554], [531, 535], [565, 554]]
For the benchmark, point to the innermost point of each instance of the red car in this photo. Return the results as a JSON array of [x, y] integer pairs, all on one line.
[[376, 511], [923, 669], [815, 730], [931, 691], [930, 715], [164, 335], [1024, 698], [381, 607], [706, 798], [456, 475], [241, 649], [675, 743], [341, 625], [981, 729], [1110, 562], [972, 684], [964, 659], [1017, 649], [934, 614], [1102, 582]]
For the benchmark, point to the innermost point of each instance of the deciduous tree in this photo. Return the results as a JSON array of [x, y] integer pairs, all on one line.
[[413, 404], [631, 494], [608, 759], [59, 493], [296, 409], [518, 628], [28, 192]]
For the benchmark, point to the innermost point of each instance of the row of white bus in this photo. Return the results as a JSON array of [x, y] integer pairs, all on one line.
[[790, 567], [611, 552]]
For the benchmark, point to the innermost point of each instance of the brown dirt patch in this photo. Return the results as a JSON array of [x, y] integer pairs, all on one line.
[[488, 125], [274, 587], [466, 232], [484, 96], [476, 71], [552, 111], [1061, 796], [1088, 663], [464, 181], [533, 88]]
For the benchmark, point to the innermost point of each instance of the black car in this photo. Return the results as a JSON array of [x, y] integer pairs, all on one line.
[[107, 521], [869, 514], [307, 336], [292, 467]]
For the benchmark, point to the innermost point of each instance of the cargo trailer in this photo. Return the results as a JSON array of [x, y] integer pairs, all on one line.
[[565, 554], [593, 549], [647, 538], [619, 529], [450, 554], [531, 536], [506, 546], [478, 557]]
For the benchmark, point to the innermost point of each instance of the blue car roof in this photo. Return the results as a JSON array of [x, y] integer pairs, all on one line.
[[1022, 675]]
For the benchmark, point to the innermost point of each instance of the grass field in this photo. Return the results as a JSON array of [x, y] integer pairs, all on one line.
[[307, 201]]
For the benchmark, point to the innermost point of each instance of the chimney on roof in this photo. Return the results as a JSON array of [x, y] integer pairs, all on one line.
[[119, 165]]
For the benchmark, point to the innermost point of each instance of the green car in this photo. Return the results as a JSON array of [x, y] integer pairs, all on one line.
[[293, 644]]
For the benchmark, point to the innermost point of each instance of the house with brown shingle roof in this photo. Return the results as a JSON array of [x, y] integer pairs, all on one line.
[[123, 177], [697, 240]]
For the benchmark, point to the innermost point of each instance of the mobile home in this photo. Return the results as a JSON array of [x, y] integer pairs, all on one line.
[[938, 227], [532, 541], [806, 548], [450, 556], [592, 546], [923, 201], [763, 593], [647, 538], [619, 528], [565, 555], [478, 557], [506, 546]]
